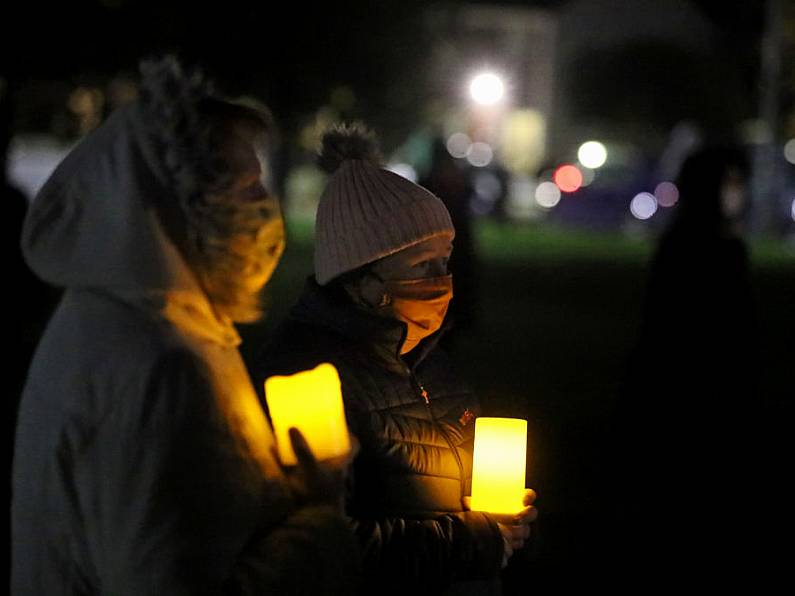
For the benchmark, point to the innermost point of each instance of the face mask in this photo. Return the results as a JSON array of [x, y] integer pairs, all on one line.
[[264, 254], [420, 303]]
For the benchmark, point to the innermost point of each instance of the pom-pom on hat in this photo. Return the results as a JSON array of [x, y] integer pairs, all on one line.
[[366, 212]]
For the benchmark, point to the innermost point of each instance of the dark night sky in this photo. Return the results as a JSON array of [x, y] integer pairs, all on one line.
[[290, 59], [244, 44]]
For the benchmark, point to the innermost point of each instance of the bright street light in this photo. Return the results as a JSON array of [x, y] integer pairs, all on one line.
[[487, 89]]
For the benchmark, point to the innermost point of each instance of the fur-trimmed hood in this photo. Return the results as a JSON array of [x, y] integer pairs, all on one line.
[[94, 225]]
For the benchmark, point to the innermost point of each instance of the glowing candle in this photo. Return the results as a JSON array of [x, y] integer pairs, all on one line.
[[310, 401], [498, 470]]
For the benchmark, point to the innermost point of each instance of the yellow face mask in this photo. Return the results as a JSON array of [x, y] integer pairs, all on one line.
[[420, 303]]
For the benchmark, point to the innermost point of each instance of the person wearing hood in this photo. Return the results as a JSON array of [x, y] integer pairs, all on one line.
[[143, 461], [374, 309]]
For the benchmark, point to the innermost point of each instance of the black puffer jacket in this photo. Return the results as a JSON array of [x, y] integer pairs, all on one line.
[[415, 422]]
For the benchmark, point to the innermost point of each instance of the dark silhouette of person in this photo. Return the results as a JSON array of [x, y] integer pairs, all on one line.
[[685, 424], [451, 183]]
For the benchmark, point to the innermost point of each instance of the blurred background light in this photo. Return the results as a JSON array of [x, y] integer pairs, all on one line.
[[31, 160], [87, 104], [488, 186], [522, 139], [592, 154], [588, 176], [480, 154], [488, 190], [667, 194], [789, 151], [520, 202], [568, 178], [405, 170], [458, 145], [643, 206], [547, 194], [487, 89]]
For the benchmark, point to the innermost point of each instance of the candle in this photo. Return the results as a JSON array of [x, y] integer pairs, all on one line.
[[498, 470], [310, 401]]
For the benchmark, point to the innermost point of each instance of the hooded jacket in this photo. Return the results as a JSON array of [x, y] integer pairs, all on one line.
[[415, 424], [143, 460]]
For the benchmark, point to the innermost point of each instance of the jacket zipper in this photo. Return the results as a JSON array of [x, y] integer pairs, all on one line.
[[427, 399]]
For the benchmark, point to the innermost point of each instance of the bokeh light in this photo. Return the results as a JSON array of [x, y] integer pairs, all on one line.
[[643, 206], [405, 170], [87, 104], [789, 151], [588, 176], [592, 154], [568, 178], [480, 154], [487, 89], [667, 194], [487, 185], [458, 145], [547, 194], [792, 210], [488, 190], [520, 202]]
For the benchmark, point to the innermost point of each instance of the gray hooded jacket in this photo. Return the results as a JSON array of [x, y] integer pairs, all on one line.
[[142, 458]]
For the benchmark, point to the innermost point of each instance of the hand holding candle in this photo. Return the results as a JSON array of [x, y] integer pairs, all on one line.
[[310, 401], [515, 529], [313, 482]]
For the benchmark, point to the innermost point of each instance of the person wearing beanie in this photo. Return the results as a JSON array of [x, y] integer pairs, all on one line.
[[143, 461], [375, 309]]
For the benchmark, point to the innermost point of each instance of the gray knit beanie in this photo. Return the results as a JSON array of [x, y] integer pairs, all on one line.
[[367, 212]]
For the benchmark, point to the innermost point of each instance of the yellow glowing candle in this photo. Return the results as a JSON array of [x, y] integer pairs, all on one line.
[[310, 401], [498, 470]]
